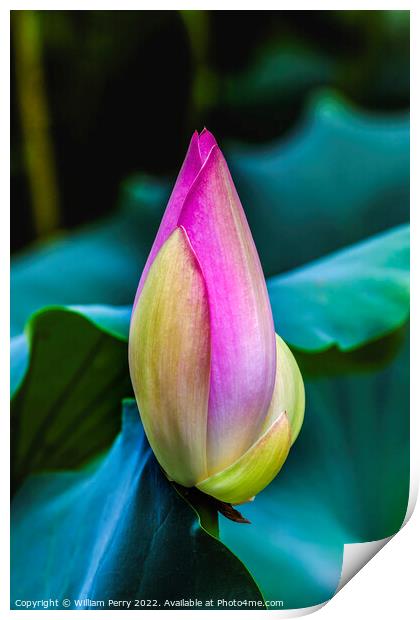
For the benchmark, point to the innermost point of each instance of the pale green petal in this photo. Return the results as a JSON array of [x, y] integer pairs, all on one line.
[[289, 391], [254, 469], [169, 355]]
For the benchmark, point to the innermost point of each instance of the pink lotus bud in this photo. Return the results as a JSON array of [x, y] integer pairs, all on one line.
[[220, 395]]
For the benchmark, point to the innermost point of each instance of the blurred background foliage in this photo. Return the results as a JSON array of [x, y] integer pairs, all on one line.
[[99, 95]]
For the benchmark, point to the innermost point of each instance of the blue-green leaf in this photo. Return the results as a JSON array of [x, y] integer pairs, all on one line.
[[346, 299], [346, 480], [67, 395], [125, 532]]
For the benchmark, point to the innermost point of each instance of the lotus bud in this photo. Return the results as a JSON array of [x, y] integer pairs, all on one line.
[[220, 395]]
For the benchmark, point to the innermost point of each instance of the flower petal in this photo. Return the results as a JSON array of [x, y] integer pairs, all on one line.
[[243, 350], [289, 391], [254, 470], [186, 176], [169, 356], [206, 141]]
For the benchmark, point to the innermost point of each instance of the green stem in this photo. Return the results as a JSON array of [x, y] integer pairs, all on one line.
[[37, 142]]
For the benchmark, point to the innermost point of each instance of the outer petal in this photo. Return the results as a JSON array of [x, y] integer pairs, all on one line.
[[243, 352], [289, 391], [206, 141], [169, 356], [255, 469], [187, 174]]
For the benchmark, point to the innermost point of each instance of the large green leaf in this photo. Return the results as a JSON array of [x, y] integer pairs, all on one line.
[[348, 298], [340, 177], [346, 480], [67, 394], [125, 533], [113, 320]]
